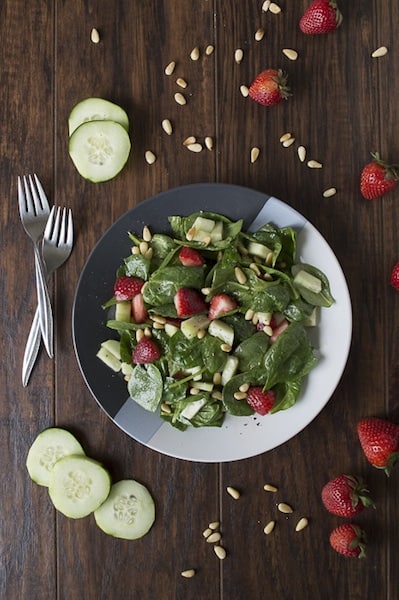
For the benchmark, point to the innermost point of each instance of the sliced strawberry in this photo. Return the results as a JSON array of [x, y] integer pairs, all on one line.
[[127, 287], [282, 326], [146, 351], [221, 304], [189, 302], [190, 257], [395, 276], [139, 311], [261, 401]]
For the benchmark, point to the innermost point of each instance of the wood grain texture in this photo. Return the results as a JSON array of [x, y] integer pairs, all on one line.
[[343, 106]]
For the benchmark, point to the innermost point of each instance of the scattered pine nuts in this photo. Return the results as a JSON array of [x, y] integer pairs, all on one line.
[[314, 164], [194, 147], [233, 492], [225, 347], [265, 5], [214, 525], [195, 53], [254, 154], [150, 157], [268, 487], [209, 50], [188, 573], [181, 82], [301, 153], [289, 142], [180, 99], [170, 68], [249, 314], [330, 192], [285, 508], [381, 51], [259, 34], [95, 36], [143, 246], [240, 395], [274, 8], [244, 90], [166, 408], [220, 552], [269, 527], [244, 387], [209, 142], [240, 275], [268, 330], [147, 236], [214, 537], [189, 140], [167, 126], [207, 532], [302, 523], [285, 137], [238, 55], [290, 53]]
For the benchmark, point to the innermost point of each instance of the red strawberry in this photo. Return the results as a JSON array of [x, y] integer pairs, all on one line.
[[395, 277], [349, 539], [269, 87], [126, 287], [221, 304], [189, 302], [322, 16], [278, 330], [139, 311], [146, 351], [262, 402], [378, 178], [190, 257], [379, 439], [345, 496]]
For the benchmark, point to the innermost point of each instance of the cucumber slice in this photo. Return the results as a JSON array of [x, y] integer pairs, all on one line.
[[128, 512], [47, 448], [99, 149], [78, 485], [96, 109]]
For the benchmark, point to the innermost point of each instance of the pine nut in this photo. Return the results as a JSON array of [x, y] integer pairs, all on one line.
[[254, 154], [254, 267], [220, 552], [170, 68], [181, 82], [268, 487], [269, 258], [269, 527], [139, 335], [209, 142], [240, 395], [205, 291], [288, 143], [290, 53], [244, 387], [195, 53], [314, 164], [330, 192], [149, 253], [301, 153], [238, 55], [94, 36], [240, 275], [381, 51], [259, 34], [206, 241], [147, 236], [285, 137], [274, 8], [217, 395], [167, 126], [194, 147], [302, 523], [214, 525], [217, 378], [180, 99], [201, 333], [285, 508], [188, 573], [233, 492], [207, 532], [244, 90], [209, 50], [158, 319], [214, 537], [265, 5], [159, 326], [147, 332], [150, 157], [268, 330], [135, 250], [225, 347], [166, 408], [249, 315], [189, 140], [143, 246]]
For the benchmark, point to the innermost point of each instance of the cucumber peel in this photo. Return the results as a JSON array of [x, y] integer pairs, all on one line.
[[96, 109]]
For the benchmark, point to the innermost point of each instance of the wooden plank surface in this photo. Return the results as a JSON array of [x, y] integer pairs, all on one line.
[[343, 106]]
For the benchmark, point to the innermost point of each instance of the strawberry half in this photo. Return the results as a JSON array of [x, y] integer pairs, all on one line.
[[126, 287], [190, 257], [395, 277], [139, 311], [379, 440], [349, 539], [189, 302], [345, 496], [145, 352], [221, 304], [322, 16], [262, 402], [378, 178], [269, 87]]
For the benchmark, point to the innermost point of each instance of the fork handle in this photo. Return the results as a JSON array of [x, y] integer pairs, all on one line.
[[44, 304], [31, 348]]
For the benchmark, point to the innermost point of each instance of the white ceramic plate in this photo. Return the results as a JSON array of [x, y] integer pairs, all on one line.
[[239, 437]]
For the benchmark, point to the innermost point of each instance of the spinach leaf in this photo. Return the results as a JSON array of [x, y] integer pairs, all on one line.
[[324, 297], [138, 266], [286, 394], [251, 351], [164, 283], [145, 386], [210, 415]]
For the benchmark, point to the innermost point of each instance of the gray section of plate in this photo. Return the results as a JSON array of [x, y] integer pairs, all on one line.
[[277, 212], [137, 422]]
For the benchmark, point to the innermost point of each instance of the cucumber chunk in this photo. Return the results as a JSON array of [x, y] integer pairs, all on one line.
[[47, 448], [96, 109], [99, 149], [78, 485], [128, 512]]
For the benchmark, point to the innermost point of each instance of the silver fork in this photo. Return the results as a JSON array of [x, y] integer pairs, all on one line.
[[56, 248], [34, 211]]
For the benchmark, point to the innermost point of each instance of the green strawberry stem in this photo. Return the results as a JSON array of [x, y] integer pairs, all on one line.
[[391, 171]]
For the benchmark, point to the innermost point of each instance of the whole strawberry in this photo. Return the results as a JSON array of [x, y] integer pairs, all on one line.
[[379, 439], [269, 87], [345, 496], [395, 277], [261, 401], [322, 16], [127, 287], [145, 352], [378, 178], [349, 539]]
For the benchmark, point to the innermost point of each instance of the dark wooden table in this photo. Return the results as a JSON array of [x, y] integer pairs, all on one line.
[[344, 105]]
